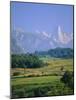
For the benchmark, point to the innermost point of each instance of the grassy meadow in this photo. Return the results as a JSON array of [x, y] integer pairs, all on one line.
[[43, 81], [53, 66]]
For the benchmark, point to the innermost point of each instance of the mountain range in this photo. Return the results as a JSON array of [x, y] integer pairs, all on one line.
[[29, 42]]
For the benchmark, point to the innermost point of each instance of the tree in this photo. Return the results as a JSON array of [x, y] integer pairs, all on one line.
[[68, 79], [27, 60], [62, 67]]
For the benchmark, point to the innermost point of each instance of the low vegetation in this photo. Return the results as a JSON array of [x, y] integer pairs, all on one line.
[[39, 87], [68, 79], [39, 76]]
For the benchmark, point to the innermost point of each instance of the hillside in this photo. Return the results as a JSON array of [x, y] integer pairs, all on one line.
[[57, 52]]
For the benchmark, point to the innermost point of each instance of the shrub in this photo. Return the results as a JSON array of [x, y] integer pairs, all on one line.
[[67, 78], [16, 73]]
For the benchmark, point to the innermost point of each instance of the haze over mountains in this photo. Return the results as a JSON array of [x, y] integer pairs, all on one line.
[[23, 42]]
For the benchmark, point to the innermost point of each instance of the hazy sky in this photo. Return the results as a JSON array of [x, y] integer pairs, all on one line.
[[31, 17], [47, 19]]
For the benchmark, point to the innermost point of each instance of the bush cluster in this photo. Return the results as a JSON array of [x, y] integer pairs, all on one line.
[[26, 61], [41, 91], [68, 79]]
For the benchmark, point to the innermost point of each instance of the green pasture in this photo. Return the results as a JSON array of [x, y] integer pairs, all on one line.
[[44, 81], [53, 66]]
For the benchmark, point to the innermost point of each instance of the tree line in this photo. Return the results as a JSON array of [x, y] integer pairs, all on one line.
[[26, 61]]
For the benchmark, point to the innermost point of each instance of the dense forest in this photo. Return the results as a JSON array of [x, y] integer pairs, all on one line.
[[26, 61], [57, 52]]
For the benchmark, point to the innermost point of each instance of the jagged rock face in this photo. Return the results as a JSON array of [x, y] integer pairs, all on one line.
[[23, 42]]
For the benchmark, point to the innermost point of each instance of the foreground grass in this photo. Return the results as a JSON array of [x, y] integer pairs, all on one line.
[[44, 81], [39, 86], [35, 80]]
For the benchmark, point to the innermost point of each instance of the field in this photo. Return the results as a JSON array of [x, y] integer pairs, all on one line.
[[44, 81]]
